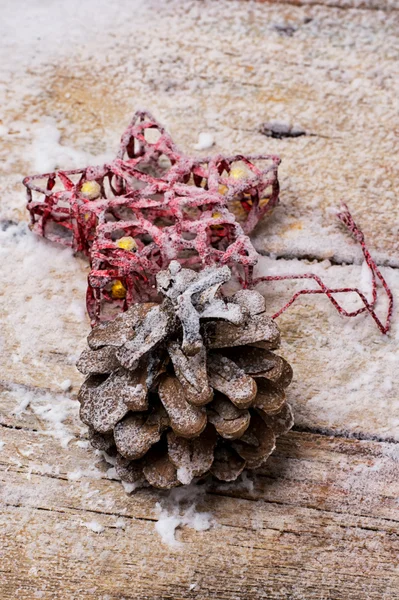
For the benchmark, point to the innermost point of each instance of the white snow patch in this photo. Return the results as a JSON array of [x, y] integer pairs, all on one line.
[[52, 409], [178, 509], [49, 154], [205, 141], [120, 523], [94, 526], [74, 475], [166, 527], [111, 460], [45, 278], [92, 473], [131, 487], [83, 444], [184, 475], [387, 384], [112, 474], [2, 444], [65, 385]]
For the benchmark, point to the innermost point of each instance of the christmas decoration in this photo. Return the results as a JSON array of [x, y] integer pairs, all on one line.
[[189, 386], [149, 206], [181, 381]]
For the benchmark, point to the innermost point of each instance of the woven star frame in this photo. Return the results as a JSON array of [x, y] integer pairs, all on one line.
[[151, 205]]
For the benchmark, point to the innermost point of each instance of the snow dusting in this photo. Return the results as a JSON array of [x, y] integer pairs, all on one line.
[[56, 412], [178, 508], [205, 141], [68, 91], [66, 385], [94, 526], [342, 366]]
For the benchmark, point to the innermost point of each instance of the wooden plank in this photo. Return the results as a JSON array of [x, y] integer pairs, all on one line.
[[320, 522], [316, 528]]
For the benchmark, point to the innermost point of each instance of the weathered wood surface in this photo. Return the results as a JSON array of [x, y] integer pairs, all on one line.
[[321, 521]]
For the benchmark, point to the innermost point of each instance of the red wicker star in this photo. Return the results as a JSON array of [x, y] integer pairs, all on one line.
[[150, 205]]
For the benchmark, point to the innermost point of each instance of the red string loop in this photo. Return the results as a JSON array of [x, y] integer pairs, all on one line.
[[346, 218]]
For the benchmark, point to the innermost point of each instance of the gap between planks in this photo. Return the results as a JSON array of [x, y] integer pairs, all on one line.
[[332, 5]]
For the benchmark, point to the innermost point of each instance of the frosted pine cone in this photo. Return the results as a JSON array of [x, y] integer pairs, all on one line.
[[187, 387]]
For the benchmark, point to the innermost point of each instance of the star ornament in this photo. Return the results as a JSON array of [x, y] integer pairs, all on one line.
[[149, 206]]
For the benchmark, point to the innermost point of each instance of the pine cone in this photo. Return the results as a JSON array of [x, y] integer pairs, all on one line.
[[186, 387]]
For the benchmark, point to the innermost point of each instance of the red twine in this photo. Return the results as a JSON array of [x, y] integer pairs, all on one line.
[[347, 220], [152, 204]]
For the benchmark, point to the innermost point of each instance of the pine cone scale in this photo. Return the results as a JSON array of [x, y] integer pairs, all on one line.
[[186, 420], [159, 471], [130, 471], [152, 330], [256, 454], [99, 361], [119, 331], [281, 422], [101, 411], [192, 458], [227, 464], [229, 421], [260, 331], [192, 374], [270, 398], [230, 380], [136, 434]]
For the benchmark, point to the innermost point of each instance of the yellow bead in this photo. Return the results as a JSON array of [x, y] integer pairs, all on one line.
[[118, 290], [216, 215], [263, 202], [127, 243], [222, 189], [238, 172], [91, 190]]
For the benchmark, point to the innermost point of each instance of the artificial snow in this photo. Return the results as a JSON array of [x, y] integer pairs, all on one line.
[[49, 154], [344, 370], [205, 141], [178, 508], [94, 526], [56, 411], [342, 366], [74, 475], [65, 385], [131, 487], [120, 523], [39, 301]]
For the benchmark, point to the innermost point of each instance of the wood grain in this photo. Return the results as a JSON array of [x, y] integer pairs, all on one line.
[[311, 527], [321, 521], [387, 5]]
